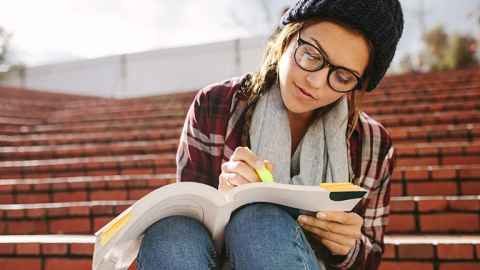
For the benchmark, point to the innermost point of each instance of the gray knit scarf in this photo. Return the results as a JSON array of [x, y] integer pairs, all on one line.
[[324, 154]]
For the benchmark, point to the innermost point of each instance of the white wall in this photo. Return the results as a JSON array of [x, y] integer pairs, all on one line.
[[178, 69], [251, 53], [147, 73], [99, 77]]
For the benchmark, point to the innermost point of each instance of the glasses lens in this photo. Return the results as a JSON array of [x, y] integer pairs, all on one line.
[[343, 80], [308, 57]]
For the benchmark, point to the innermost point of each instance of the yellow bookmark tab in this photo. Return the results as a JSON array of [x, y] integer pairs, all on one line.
[[113, 229], [265, 175]]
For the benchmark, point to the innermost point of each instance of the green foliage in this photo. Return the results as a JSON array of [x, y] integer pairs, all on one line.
[[461, 53], [4, 43], [444, 52], [436, 41]]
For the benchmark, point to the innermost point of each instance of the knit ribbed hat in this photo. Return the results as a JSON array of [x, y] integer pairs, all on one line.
[[381, 21]]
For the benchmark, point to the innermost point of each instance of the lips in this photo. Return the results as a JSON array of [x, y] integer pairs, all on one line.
[[305, 92]]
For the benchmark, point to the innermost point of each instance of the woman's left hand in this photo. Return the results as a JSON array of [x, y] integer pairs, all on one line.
[[338, 231]]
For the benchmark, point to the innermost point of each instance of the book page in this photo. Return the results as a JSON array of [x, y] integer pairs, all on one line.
[[116, 240], [308, 198]]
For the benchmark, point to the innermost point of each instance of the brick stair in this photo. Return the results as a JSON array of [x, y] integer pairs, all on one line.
[[116, 148], [409, 215], [435, 215], [454, 152], [443, 252], [436, 133], [425, 108], [436, 180], [73, 163], [82, 188], [59, 218], [102, 126], [52, 252], [39, 252], [419, 119], [451, 153], [446, 180], [167, 132], [163, 163], [442, 94]]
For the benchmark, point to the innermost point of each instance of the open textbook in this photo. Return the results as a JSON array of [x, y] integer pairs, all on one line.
[[117, 243]]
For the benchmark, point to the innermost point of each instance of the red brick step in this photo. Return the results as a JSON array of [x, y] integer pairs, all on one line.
[[436, 180], [81, 188]]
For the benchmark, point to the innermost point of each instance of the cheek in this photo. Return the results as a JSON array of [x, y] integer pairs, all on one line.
[[284, 69], [328, 98], [288, 72], [332, 96]]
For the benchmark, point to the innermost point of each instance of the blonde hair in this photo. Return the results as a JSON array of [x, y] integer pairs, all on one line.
[[266, 76]]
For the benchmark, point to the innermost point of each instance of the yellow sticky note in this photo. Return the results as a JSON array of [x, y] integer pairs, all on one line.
[[340, 187]]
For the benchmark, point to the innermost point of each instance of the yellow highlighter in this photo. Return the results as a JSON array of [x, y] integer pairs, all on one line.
[[265, 175]]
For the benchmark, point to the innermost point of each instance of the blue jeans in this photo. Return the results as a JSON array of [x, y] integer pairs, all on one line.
[[258, 236]]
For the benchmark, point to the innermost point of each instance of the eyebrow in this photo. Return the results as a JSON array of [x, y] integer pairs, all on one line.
[[320, 48]]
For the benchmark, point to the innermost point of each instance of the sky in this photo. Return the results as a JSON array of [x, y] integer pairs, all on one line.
[[51, 31]]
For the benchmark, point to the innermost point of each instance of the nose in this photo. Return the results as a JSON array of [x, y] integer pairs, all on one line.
[[318, 79]]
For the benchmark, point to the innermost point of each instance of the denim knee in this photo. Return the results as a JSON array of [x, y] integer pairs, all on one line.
[[267, 236], [254, 220], [262, 215], [177, 242]]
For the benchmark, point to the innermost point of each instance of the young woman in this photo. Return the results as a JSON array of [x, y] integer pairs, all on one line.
[[298, 116]]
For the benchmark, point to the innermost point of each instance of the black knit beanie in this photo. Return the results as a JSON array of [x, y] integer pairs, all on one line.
[[381, 21]]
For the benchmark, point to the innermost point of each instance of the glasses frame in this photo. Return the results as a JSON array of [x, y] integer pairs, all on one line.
[[331, 67]]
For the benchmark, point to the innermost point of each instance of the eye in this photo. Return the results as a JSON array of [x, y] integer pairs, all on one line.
[[308, 57], [312, 53], [344, 77]]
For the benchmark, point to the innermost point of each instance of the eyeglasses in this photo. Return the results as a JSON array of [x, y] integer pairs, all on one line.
[[310, 58]]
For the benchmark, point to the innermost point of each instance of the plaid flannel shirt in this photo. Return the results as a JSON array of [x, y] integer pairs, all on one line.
[[213, 129]]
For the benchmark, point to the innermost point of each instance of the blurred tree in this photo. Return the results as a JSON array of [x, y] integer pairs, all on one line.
[[436, 41], [4, 44], [461, 53], [445, 52], [7, 64], [406, 64]]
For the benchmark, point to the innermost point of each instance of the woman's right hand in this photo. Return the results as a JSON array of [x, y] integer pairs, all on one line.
[[241, 169]]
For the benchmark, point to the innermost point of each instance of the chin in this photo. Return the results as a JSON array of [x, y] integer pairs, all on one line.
[[297, 108]]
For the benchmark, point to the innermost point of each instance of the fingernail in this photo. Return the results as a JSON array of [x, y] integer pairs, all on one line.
[[321, 215], [302, 219]]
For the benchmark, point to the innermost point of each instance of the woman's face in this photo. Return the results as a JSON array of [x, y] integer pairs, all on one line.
[[340, 46]]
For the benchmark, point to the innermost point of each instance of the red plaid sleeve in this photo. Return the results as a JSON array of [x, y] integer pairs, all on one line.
[[194, 152], [377, 165], [202, 141]]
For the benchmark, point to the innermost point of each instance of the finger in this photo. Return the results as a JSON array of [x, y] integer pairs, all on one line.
[[224, 184], [235, 179], [334, 237], [240, 167], [346, 230], [336, 248], [341, 217], [246, 155]]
